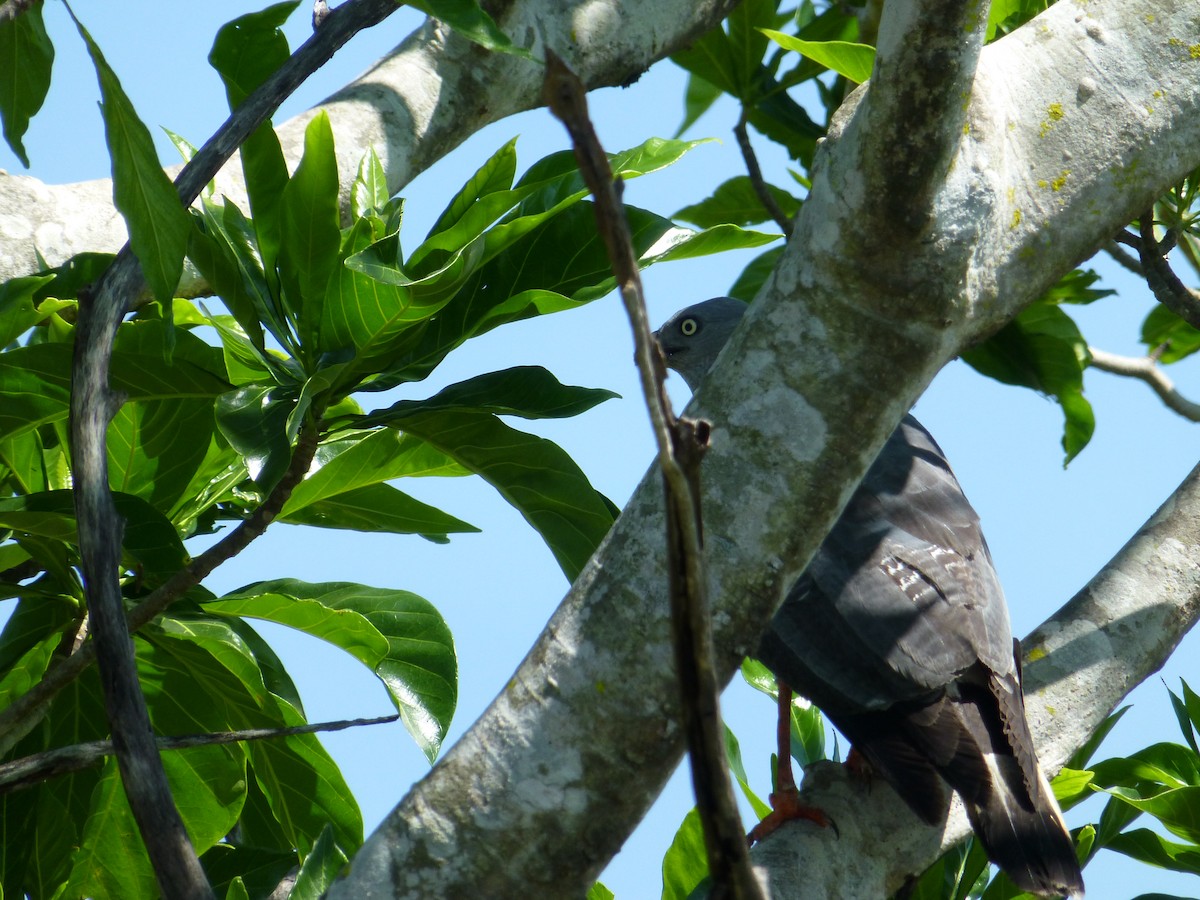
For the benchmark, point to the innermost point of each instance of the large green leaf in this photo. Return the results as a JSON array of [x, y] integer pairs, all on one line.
[[26, 57], [852, 61], [527, 391], [254, 419], [736, 202], [1178, 809], [468, 18], [1145, 846], [319, 870], [35, 383], [379, 508], [1042, 349], [533, 474], [151, 542], [311, 236], [366, 458], [18, 312], [245, 52], [399, 636], [369, 192], [248, 49], [157, 222], [203, 663], [207, 784], [260, 869], [731, 60], [685, 864]]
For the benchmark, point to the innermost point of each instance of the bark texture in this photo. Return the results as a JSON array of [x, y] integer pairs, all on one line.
[[1073, 124]]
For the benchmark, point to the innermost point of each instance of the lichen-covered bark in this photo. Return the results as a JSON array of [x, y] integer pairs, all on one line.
[[552, 777]]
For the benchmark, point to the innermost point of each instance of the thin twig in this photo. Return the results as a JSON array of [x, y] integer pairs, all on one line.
[[1123, 257], [756, 177], [1144, 369], [39, 767], [93, 404], [681, 445], [1164, 283]]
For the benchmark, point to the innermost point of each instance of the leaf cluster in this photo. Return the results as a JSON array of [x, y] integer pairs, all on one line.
[[319, 314]]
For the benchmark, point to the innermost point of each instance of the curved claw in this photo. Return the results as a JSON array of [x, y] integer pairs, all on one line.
[[786, 806]]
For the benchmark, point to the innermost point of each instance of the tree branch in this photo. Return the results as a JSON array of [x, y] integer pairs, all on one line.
[[31, 770], [1164, 283], [681, 447], [414, 106], [798, 415], [93, 404], [1144, 369], [756, 177]]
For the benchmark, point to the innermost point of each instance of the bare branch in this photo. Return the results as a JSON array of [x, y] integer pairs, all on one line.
[[1144, 369], [31, 770], [681, 447], [1123, 257], [1164, 283], [756, 177]]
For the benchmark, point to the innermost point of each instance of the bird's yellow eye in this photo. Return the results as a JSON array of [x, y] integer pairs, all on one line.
[[688, 327]]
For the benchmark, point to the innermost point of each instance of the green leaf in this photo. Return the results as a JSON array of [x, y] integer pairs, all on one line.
[[320, 868], [533, 474], [1169, 336], [733, 752], [732, 60], [379, 508], [494, 176], [259, 869], [468, 19], [369, 193], [368, 458], [685, 864], [736, 202], [1072, 786], [207, 784], [254, 419], [1042, 349], [248, 50], [416, 661], [1148, 847], [954, 876], [28, 669], [1178, 809], [599, 892], [683, 243], [26, 57], [852, 61], [203, 669], [527, 391], [310, 231], [18, 313], [237, 890], [157, 222], [755, 275], [151, 541]]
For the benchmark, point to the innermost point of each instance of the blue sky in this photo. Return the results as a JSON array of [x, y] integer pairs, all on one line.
[[1049, 529]]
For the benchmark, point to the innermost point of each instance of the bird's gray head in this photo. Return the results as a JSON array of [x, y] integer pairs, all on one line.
[[692, 338]]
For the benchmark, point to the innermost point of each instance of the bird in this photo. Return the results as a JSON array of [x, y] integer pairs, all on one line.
[[898, 631]]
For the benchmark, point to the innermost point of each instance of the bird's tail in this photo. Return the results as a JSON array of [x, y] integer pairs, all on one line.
[[1023, 832], [1013, 811]]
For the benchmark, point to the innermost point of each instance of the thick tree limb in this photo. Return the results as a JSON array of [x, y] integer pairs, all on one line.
[[424, 99], [534, 797], [1145, 369]]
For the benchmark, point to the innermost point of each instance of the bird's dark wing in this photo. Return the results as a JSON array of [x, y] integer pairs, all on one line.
[[901, 598]]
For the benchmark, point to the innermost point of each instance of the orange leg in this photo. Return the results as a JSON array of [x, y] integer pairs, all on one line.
[[785, 800]]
